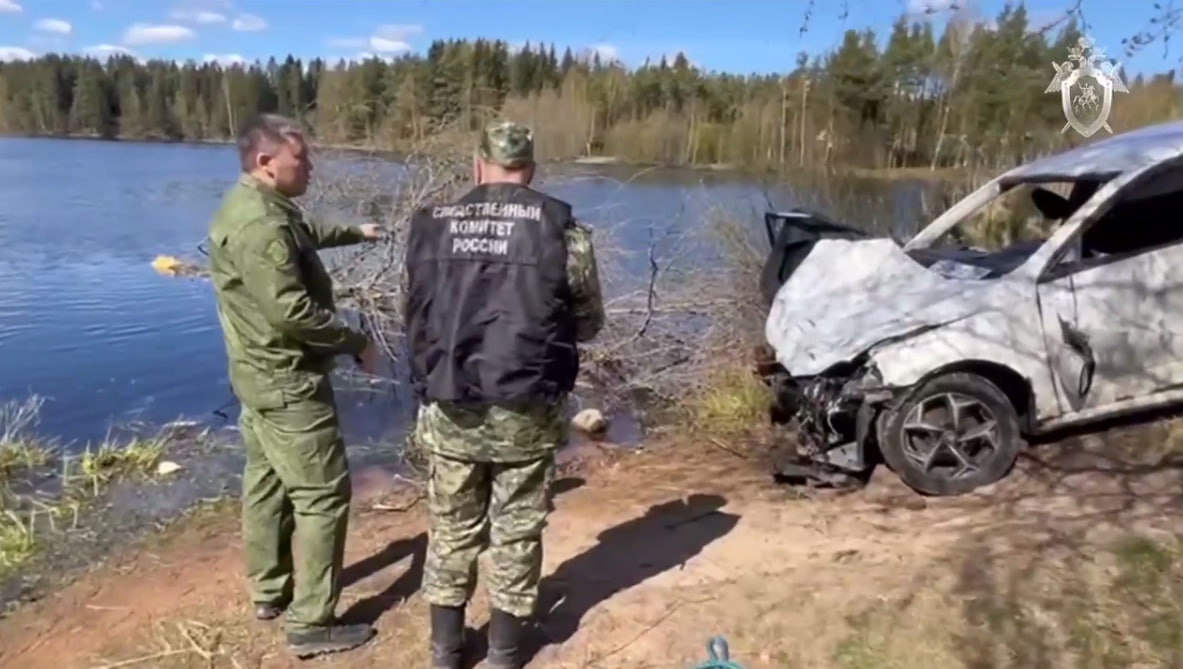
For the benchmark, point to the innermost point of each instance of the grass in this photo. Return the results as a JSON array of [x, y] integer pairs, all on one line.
[[1116, 604], [185, 644], [26, 510], [732, 403]]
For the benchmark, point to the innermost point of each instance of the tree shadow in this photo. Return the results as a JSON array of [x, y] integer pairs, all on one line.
[[626, 555], [370, 609], [1075, 561], [1087, 564]]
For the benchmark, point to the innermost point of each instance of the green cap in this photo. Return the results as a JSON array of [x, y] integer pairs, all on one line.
[[507, 144]]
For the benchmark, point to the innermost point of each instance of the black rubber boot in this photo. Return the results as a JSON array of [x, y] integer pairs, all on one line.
[[331, 639], [507, 634], [447, 637]]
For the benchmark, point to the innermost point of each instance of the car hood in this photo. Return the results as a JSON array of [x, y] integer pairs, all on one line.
[[846, 296]]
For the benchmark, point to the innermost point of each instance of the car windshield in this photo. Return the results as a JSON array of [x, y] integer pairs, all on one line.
[[997, 238]]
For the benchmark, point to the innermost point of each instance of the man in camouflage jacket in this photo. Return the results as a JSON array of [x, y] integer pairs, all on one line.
[[471, 266]]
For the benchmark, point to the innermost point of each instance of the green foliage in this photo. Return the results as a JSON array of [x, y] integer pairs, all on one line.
[[964, 96]]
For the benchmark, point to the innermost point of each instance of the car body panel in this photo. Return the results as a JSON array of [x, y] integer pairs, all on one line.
[[847, 296]]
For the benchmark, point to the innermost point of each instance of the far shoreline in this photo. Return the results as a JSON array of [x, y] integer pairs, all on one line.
[[369, 150], [919, 173]]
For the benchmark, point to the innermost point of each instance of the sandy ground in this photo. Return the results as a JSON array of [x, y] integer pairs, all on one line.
[[648, 555]]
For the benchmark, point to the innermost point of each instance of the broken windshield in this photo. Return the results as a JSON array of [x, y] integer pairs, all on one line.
[[999, 237]]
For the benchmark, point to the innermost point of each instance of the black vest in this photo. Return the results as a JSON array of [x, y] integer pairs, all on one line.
[[488, 303]]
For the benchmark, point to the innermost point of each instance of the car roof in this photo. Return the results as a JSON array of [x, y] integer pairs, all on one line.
[[1104, 159]]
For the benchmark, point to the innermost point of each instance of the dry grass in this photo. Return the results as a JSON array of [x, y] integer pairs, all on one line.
[[183, 645]]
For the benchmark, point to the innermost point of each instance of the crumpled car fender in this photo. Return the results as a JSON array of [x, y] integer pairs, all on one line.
[[1015, 343]]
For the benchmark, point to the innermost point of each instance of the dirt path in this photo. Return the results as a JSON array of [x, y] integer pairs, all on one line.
[[650, 554]]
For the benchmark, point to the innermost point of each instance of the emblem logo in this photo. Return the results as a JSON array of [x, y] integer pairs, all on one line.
[[1086, 82]]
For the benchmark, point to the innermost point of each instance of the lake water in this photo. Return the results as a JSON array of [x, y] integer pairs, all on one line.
[[86, 323]]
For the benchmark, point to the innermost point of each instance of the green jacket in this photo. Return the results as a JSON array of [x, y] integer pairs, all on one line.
[[275, 298]]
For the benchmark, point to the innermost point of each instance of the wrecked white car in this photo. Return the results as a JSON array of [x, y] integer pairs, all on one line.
[[942, 359]]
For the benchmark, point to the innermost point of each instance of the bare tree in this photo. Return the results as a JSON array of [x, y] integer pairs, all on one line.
[[672, 294]]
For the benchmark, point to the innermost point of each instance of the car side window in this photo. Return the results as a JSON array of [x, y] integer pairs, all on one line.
[[1128, 229]]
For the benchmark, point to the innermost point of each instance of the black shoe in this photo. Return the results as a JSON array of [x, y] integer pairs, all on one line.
[[331, 639], [507, 634], [269, 610], [447, 637]]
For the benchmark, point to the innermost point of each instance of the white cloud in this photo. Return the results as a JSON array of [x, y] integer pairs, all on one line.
[[198, 16], [55, 26], [388, 46], [606, 52], [386, 41], [224, 59], [347, 42], [9, 7], [398, 32], [144, 33], [8, 53], [249, 23], [107, 50]]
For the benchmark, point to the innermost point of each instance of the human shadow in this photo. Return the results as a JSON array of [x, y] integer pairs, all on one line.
[[562, 486], [370, 609], [626, 555]]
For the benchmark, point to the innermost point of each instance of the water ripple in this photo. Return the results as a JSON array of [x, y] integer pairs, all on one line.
[[85, 322]]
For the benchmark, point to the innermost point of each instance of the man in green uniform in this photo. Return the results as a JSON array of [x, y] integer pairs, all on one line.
[[275, 305], [502, 285]]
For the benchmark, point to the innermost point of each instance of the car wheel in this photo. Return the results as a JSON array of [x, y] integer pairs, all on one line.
[[952, 434]]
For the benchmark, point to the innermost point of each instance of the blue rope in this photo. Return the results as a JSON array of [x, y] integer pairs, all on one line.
[[718, 655]]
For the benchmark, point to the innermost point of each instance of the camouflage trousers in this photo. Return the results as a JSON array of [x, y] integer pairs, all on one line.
[[501, 506]]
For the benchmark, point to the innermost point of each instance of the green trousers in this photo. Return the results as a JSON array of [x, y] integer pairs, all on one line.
[[474, 505], [296, 490]]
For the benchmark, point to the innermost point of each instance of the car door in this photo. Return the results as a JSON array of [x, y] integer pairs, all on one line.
[[1110, 326]]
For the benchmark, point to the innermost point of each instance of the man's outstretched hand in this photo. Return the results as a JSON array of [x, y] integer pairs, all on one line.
[[372, 232]]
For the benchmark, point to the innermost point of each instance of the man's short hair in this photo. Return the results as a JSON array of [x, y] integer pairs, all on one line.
[[263, 133], [508, 144]]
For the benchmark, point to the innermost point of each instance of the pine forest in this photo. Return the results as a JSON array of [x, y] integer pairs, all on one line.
[[965, 94]]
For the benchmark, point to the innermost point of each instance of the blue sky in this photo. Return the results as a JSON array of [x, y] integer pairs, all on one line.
[[733, 35]]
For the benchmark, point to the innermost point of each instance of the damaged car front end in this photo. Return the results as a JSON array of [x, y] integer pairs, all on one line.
[[940, 359], [834, 415], [850, 350]]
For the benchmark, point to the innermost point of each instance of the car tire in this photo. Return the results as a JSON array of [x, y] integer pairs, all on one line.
[[977, 449]]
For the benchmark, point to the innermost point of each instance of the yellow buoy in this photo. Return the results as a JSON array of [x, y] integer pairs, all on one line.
[[166, 265]]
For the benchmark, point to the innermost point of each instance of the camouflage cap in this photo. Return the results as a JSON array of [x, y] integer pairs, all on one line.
[[507, 144]]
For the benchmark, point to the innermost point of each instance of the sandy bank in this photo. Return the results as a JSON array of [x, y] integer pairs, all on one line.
[[649, 554]]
